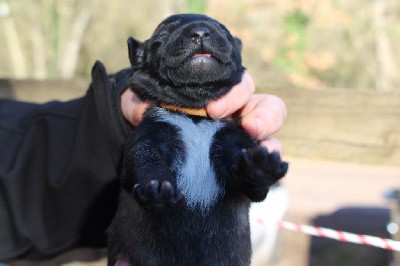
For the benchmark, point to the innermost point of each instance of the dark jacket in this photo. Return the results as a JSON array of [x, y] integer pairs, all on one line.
[[58, 167]]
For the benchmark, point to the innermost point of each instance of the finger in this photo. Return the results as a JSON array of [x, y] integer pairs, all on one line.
[[235, 99], [272, 144], [263, 115], [132, 107]]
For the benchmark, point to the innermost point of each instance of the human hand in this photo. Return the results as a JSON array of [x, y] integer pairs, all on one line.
[[132, 107], [261, 114]]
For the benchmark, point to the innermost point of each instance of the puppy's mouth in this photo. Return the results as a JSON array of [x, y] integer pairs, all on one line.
[[202, 55], [204, 58], [192, 53]]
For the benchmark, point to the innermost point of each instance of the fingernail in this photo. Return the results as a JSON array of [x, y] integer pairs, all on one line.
[[217, 109], [254, 126], [259, 128]]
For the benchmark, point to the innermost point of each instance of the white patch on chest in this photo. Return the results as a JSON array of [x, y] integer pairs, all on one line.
[[195, 175]]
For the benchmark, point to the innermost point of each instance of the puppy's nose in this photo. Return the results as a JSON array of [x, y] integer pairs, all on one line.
[[199, 33]]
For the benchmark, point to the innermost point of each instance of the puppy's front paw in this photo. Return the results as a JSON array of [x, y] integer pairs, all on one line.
[[257, 170], [157, 195]]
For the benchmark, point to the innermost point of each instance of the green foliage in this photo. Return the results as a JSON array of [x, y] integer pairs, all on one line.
[[196, 6], [290, 55]]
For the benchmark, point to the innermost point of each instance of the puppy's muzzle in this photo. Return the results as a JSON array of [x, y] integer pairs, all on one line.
[[204, 39]]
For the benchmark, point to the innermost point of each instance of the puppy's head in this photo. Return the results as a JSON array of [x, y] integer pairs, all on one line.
[[188, 61]]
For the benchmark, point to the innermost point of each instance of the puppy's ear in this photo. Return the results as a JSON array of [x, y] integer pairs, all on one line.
[[136, 52], [238, 44]]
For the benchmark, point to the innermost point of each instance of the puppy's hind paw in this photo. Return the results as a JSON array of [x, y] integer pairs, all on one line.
[[155, 195]]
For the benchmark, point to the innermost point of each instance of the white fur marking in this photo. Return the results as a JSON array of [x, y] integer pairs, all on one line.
[[196, 176]]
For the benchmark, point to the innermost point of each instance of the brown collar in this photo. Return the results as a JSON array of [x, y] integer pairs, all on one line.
[[189, 111]]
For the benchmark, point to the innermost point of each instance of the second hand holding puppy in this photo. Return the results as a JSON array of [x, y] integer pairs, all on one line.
[[262, 114]]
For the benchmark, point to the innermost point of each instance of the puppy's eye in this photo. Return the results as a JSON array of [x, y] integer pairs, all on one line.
[[160, 37]]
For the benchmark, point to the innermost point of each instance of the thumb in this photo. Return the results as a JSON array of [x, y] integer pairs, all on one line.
[[132, 107]]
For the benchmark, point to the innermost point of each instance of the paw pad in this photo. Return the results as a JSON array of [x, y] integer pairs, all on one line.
[[157, 195]]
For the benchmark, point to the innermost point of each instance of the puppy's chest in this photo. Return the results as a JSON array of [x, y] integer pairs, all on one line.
[[195, 173]]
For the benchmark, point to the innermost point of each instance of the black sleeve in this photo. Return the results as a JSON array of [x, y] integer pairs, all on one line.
[[58, 167]]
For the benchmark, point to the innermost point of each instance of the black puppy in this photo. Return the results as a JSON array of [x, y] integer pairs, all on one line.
[[188, 179]]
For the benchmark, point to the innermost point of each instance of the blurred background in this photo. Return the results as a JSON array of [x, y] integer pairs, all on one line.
[[335, 63], [287, 43]]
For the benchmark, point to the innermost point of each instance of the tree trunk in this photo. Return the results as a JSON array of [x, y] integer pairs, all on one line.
[[14, 45], [387, 69], [72, 44]]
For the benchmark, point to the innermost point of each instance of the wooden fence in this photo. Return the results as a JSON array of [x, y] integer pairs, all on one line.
[[353, 126], [341, 125]]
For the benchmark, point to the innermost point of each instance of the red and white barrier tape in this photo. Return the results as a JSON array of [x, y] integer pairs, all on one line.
[[341, 236]]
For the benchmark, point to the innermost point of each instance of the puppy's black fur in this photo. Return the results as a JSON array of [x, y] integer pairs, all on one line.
[[188, 180]]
